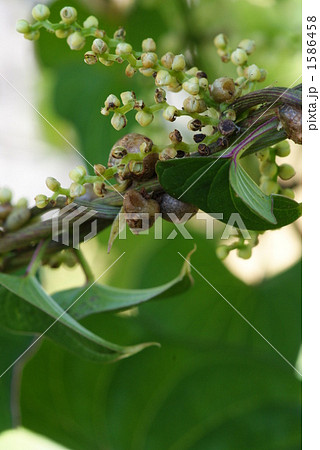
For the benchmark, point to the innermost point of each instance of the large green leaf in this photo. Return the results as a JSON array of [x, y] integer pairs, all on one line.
[[206, 183], [31, 309]]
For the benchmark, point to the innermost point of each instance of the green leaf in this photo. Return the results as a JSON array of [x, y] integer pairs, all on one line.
[[100, 298], [250, 192], [48, 317]]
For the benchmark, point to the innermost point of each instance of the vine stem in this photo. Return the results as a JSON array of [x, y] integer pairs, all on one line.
[[85, 266], [36, 258]]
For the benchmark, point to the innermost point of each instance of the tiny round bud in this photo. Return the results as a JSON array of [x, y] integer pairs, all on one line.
[[143, 118], [77, 173], [76, 190], [61, 34], [99, 189], [170, 113], [191, 86], [195, 125], [40, 12], [167, 153], [120, 34], [41, 201], [99, 46], [239, 81], [104, 111], [167, 60], [252, 73], [17, 218], [286, 171], [239, 57], [112, 102], [148, 45], [32, 35], [76, 41], [68, 14], [221, 41], [263, 155], [5, 195], [245, 252], [91, 21], [175, 136], [178, 63], [174, 86], [288, 193], [163, 78], [118, 152], [127, 97], [123, 48], [130, 71], [282, 149], [160, 95], [149, 59], [268, 169], [53, 184], [203, 150], [263, 74], [248, 46], [227, 127], [22, 26], [193, 71], [118, 121], [146, 72], [203, 83], [22, 203], [222, 251], [99, 169], [104, 60], [224, 55], [269, 187], [223, 89], [99, 34], [230, 114], [90, 58]]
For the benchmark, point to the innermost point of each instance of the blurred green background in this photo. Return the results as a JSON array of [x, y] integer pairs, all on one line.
[[214, 383]]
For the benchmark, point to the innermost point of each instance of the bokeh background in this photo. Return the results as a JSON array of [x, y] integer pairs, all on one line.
[[214, 383]]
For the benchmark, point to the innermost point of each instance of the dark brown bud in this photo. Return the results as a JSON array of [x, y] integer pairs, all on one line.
[[177, 209], [291, 120], [180, 154], [199, 137], [203, 150], [201, 74], [140, 210], [222, 142], [175, 136], [195, 125], [226, 127]]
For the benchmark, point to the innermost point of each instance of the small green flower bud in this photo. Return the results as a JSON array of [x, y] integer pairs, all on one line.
[[149, 59], [192, 105], [118, 121], [104, 60], [288, 193], [144, 118], [104, 111], [239, 57], [191, 86], [5, 195], [174, 86], [130, 71], [248, 46], [40, 12], [61, 34], [263, 155], [268, 169], [240, 71], [17, 218], [221, 41], [99, 47], [123, 48], [99, 34], [170, 113], [239, 81], [230, 114], [127, 97], [193, 71], [53, 184], [163, 78], [167, 60], [252, 73], [223, 89], [146, 72], [263, 74], [76, 190], [224, 55], [167, 153], [178, 63], [76, 41], [245, 252], [90, 58], [77, 173], [41, 201], [99, 169], [139, 104], [160, 95], [120, 34], [203, 83], [112, 102], [222, 251], [91, 21], [269, 187], [148, 45], [69, 258], [22, 203], [22, 26], [286, 171], [68, 14], [32, 36], [282, 149], [99, 189]]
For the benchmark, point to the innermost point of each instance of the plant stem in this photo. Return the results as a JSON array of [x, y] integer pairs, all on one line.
[[36, 258], [85, 266]]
